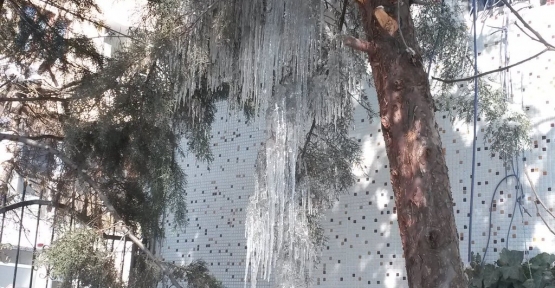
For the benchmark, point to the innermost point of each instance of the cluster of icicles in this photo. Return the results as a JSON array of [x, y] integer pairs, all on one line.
[[282, 56]]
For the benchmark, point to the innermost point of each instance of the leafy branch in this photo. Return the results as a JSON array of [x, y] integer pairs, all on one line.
[[539, 38], [96, 188]]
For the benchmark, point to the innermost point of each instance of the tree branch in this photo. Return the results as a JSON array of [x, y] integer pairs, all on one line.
[[357, 44], [308, 136], [96, 188], [418, 2], [85, 220], [88, 19], [343, 12], [517, 15], [539, 38], [491, 71], [46, 136], [32, 99], [538, 200]]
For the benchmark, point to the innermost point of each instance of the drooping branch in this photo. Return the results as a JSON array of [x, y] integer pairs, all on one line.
[[536, 33], [539, 38], [538, 200], [492, 71], [33, 99], [82, 218], [96, 188], [308, 136], [92, 21], [54, 204]]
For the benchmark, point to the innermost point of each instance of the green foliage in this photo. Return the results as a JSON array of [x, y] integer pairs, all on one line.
[[325, 168], [195, 275], [80, 256], [40, 38], [132, 140], [510, 272], [444, 35]]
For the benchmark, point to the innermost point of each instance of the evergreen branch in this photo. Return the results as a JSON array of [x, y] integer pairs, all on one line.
[[96, 188], [493, 71], [308, 136], [33, 99], [81, 17], [85, 220], [197, 20]]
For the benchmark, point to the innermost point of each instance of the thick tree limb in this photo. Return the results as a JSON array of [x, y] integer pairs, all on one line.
[[491, 71], [46, 136], [96, 188], [357, 44]]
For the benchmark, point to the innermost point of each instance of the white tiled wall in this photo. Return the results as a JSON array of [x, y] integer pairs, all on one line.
[[364, 248]]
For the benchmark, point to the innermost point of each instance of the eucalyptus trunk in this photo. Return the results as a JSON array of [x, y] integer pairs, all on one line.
[[417, 165]]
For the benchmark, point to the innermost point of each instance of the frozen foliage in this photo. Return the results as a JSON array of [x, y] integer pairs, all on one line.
[[255, 45], [283, 59]]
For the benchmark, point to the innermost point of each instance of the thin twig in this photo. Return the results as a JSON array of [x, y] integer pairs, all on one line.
[[517, 15], [549, 47], [492, 71], [308, 136], [535, 193], [526, 33], [197, 20], [81, 17]]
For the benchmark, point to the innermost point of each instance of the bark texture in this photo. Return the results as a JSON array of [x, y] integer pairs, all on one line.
[[417, 165]]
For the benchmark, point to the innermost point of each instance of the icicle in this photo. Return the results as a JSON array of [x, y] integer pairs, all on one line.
[[282, 57]]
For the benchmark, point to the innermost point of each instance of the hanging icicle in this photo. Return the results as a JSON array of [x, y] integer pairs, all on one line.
[[283, 58]]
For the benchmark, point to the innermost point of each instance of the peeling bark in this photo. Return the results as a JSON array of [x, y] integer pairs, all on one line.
[[418, 170]]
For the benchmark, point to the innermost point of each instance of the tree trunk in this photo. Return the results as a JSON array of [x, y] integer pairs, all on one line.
[[417, 165], [6, 171]]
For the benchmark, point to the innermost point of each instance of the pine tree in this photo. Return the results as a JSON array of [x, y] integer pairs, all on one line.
[[108, 128]]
